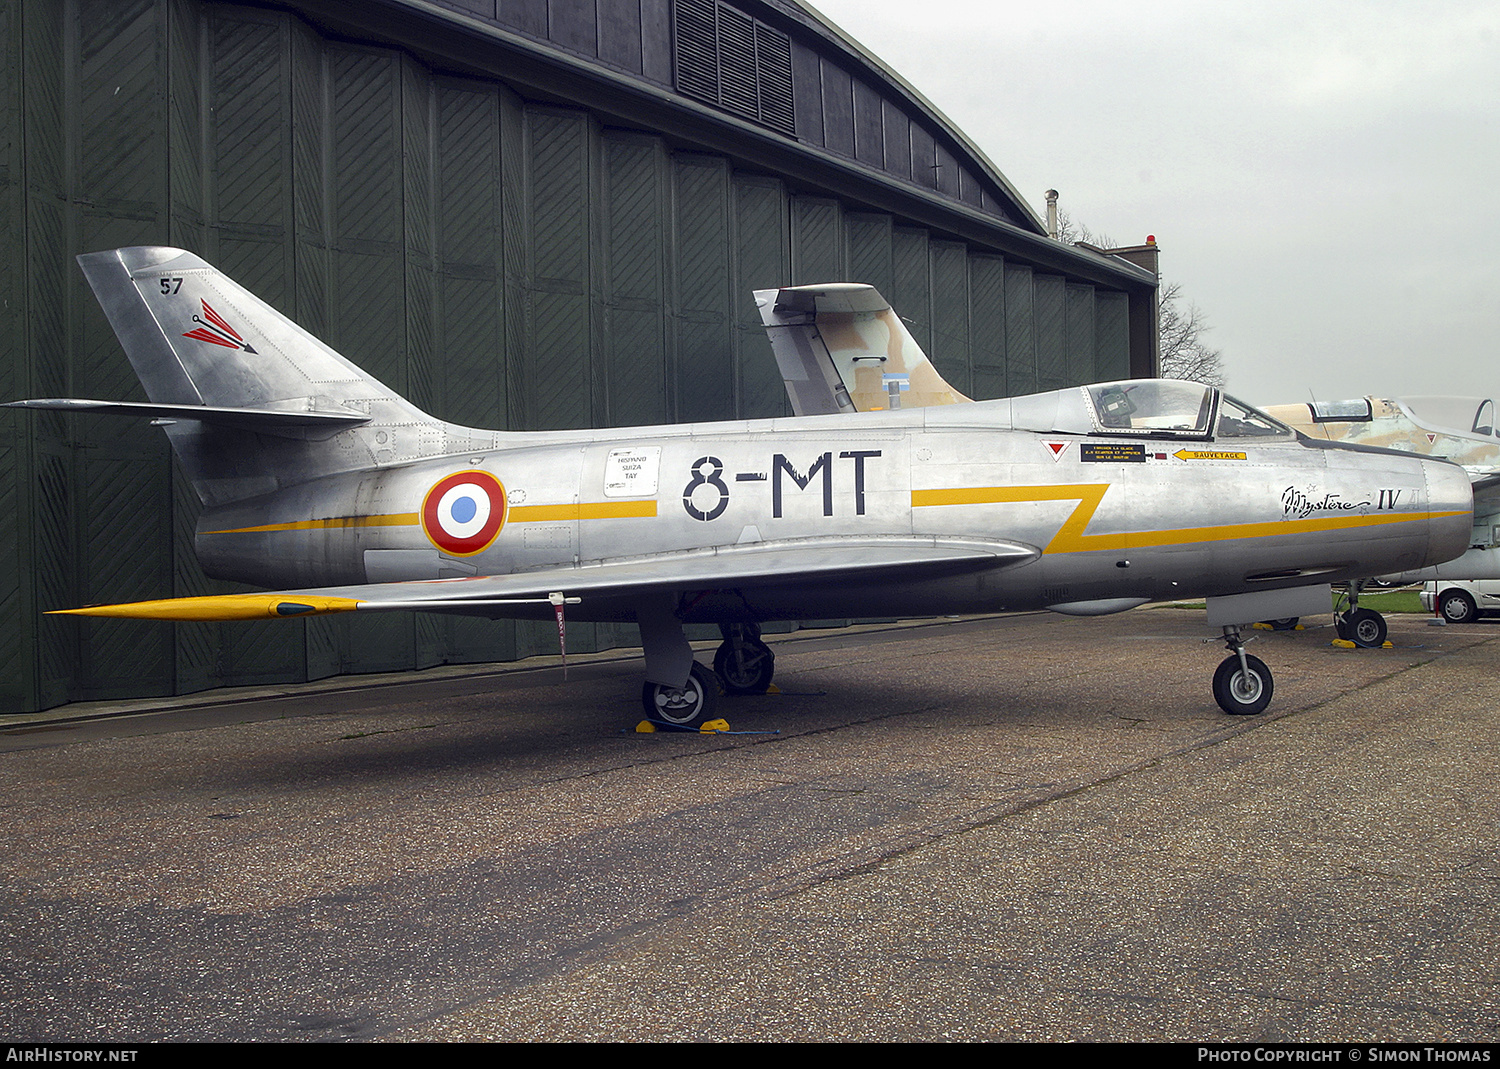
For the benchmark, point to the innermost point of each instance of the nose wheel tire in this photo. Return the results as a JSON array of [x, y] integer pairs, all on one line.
[[1458, 608], [1242, 693], [689, 706], [1365, 627], [745, 667]]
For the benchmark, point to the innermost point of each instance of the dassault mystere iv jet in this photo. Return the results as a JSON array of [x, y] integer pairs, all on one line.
[[1085, 501]]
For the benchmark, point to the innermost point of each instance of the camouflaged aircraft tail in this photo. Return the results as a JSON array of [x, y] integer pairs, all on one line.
[[841, 348]]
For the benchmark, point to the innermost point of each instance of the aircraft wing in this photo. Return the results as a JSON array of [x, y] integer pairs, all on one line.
[[783, 562]]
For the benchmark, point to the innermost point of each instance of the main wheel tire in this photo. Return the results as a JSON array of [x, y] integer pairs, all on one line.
[[1458, 608], [1239, 693], [1366, 628], [1286, 623], [690, 707], [746, 669]]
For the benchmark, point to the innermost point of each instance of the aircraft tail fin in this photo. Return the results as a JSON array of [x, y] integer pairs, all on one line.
[[250, 401], [842, 348], [196, 337]]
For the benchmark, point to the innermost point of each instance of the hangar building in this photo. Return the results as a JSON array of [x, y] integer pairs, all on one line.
[[519, 213]]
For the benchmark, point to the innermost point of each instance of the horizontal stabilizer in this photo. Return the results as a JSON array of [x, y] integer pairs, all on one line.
[[829, 297], [763, 564], [307, 423]]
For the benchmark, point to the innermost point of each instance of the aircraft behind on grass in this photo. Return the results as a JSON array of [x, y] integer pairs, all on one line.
[[317, 479], [1463, 430]]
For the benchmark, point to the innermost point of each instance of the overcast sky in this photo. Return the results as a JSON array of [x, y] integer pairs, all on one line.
[[1323, 177]]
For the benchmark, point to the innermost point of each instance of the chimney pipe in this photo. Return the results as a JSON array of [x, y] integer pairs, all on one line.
[[1052, 214]]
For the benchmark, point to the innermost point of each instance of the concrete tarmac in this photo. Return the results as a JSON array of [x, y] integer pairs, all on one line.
[[1024, 827]]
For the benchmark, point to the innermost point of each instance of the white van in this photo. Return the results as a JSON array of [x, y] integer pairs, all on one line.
[[1462, 601]]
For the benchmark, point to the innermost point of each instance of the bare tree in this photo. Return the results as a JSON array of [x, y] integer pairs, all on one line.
[[1183, 352], [1071, 233]]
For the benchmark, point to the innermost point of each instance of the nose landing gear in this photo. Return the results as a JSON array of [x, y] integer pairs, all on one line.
[[1242, 684]]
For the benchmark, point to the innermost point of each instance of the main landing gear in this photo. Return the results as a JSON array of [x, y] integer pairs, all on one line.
[[690, 705], [1242, 684], [1363, 627], [680, 691], [743, 661]]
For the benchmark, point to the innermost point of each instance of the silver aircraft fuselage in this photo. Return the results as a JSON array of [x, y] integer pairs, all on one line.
[[1118, 520]]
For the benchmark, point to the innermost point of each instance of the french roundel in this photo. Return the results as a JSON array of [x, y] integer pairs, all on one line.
[[464, 512]]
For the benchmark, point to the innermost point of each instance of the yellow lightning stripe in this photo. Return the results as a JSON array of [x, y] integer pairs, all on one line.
[[219, 607], [1071, 536], [587, 510]]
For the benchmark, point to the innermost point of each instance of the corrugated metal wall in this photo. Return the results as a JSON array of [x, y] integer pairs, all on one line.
[[503, 263]]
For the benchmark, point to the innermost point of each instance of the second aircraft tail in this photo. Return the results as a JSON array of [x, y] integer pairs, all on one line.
[[841, 348]]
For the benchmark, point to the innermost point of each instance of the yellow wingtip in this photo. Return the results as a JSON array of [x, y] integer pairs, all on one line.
[[218, 607]]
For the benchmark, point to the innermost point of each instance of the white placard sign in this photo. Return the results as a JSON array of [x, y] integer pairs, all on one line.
[[632, 472]]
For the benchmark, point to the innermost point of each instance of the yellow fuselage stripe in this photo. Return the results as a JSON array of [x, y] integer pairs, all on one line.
[[1070, 537], [400, 519], [587, 510]]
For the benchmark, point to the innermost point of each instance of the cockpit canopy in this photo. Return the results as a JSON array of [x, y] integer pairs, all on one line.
[[1148, 408], [1451, 415], [1459, 416]]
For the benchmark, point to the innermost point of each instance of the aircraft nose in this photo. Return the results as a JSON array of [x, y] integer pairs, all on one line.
[[1450, 500]]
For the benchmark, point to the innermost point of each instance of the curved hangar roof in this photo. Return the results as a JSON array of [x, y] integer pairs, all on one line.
[[769, 83]]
